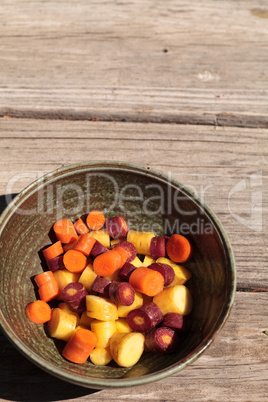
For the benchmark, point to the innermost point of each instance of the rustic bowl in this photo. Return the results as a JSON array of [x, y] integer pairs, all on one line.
[[149, 200]]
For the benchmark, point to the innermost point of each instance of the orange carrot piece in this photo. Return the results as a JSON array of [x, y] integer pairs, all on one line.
[[84, 244], [108, 262], [74, 261], [53, 251], [95, 220], [43, 278], [123, 254], [65, 231], [49, 291], [38, 312], [69, 246], [179, 248], [81, 227], [147, 281], [80, 345]]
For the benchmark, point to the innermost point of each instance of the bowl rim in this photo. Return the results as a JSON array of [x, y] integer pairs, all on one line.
[[102, 383]]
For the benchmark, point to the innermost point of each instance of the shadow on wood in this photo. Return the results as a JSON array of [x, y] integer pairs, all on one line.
[[20, 380]]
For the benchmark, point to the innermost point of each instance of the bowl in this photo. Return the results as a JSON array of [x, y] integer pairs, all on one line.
[[150, 201]]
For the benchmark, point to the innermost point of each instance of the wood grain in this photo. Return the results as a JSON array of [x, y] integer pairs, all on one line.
[[202, 62], [233, 368], [212, 162]]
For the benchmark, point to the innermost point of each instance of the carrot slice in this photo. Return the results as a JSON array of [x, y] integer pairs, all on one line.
[[65, 231], [80, 345], [74, 261], [38, 312], [95, 220], [44, 277], [84, 244], [53, 251], [81, 227], [107, 263], [179, 248], [147, 281], [123, 254], [49, 291]]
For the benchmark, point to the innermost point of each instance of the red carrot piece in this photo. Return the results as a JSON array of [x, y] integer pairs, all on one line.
[[166, 270], [147, 281], [95, 220], [97, 249], [53, 251], [129, 247], [65, 231], [80, 345], [179, 248], [75, 261], [174, 321], [56, 263], [74, 295], [126, 270], [38, 312], [117, 227], [144, 318], [121, 293], [162, 339], [158, 247], [101, 286]]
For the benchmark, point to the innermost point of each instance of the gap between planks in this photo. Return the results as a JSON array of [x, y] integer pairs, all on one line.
[[216, 120]]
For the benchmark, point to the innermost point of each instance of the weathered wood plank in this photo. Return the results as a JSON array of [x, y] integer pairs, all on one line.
[[202, 62], [212, 162], [233, 368]]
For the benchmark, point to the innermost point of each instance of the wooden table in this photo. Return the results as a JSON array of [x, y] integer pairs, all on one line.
[[175, 85]]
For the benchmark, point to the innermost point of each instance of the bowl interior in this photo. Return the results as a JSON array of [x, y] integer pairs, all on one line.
[[149, 201]]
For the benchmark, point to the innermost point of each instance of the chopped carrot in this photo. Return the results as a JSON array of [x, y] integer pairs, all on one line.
[[48, 286], [84, 244], [124, 254], [43, 278], [147, 281], [80, 345], [107, 263], [65, 231], [49, 291], [179, 248], [38, 312], [53, 251], [95, 220], [81, 227], [69, 246], [75, 261]]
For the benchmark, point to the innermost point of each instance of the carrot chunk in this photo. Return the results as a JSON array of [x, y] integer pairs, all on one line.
[[81, 227], [38, 312], [107, 263], [49, 291], [84, 244], [43, 278], [75, 261], [65, 231], [179, 248], [95, 220], [147, 281], [80, 345], [53, 251]]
